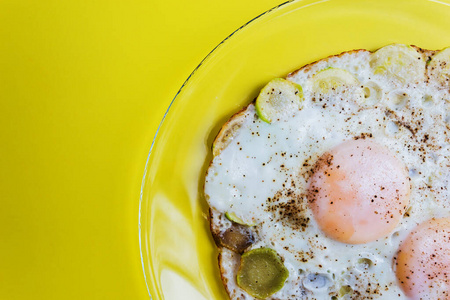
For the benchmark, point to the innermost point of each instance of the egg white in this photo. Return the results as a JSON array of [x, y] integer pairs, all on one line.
[[261, 177]]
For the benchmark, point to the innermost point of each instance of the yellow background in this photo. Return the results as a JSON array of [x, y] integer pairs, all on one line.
[[83, 87]]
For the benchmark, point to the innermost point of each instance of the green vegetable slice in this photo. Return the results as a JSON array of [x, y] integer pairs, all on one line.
[[364, 264], [232, 217], [331, 79], [278, 99], [399, 62], [261, 273], [439, 67], [345, 290]]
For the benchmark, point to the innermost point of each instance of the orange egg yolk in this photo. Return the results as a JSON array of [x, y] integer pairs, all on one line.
[[358, 191], [423, 261]]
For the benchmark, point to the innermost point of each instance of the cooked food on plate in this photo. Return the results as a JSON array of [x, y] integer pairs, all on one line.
[[333, 183]]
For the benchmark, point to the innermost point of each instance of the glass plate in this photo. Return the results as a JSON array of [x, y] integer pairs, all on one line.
[[179, 257]]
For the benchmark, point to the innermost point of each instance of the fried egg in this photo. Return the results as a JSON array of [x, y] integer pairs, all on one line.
[[339, 173]]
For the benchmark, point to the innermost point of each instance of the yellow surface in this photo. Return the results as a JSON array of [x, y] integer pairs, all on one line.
[[180, 256], [83, 86]]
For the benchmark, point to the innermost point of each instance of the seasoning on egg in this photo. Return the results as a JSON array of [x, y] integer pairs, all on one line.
[[330, 171]]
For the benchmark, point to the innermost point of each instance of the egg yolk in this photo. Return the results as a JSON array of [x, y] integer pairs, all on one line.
[[423, 261], [358, 191]]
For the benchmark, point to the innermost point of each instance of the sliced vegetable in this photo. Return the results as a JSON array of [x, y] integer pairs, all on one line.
[[398, 62], [232, 217], [278, 99], [331, 79], [364, 264], [345, 290], [261, 273]]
